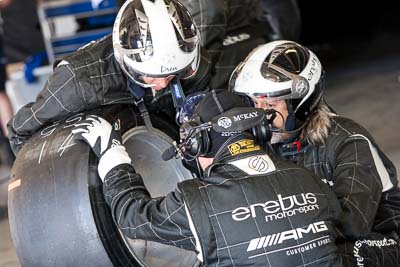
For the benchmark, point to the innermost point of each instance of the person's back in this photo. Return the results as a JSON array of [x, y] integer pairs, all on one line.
[[258, 211]]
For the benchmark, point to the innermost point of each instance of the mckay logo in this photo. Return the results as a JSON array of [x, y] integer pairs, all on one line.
[[224, 122], [245, 116], [243, 146]]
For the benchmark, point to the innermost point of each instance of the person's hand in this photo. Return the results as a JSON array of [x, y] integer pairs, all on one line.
[[105, 141], [98, 133]]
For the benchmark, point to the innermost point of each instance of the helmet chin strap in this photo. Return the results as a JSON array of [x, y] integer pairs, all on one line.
[[277, 136], [289, 127], [290, 122], [297, 130]]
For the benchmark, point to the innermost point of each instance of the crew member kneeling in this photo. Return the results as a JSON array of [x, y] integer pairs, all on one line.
[[247, 209]]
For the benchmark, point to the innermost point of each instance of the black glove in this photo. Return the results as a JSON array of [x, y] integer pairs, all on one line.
[[105, 141]]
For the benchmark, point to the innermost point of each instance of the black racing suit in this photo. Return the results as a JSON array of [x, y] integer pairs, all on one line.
[[365, 182], [87, 79], [248, 210], [229, 31], [283, 16]]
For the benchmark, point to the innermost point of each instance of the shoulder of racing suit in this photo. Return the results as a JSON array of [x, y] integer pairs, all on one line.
[[322, 159], [98, 74], [344, 131], [351, 154]]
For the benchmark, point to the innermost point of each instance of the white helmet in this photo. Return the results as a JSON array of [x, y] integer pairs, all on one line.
[[283, 70], [156, 38]]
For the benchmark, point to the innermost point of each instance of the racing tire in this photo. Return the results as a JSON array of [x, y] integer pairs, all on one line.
[[57, 213]]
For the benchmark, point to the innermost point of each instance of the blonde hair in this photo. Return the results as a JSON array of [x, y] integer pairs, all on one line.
[[317, 128]]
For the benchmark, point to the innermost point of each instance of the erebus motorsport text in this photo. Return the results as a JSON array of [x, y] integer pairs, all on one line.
[[277, 209]]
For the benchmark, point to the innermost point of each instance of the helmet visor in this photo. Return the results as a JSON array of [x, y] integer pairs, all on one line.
[[133, 33], [284, 61], [185, 29], [265, 100], [285, 64]]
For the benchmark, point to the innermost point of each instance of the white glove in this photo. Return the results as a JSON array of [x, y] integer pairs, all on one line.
[[105, 141]]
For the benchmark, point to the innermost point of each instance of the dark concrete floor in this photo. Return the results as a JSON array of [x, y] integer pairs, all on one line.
[[363, 83], [8, 257]]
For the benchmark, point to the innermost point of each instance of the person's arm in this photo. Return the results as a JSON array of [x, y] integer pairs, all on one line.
[[358, 187], [61, 96], [161, 219], [6, 112], [211, 19], [284, 17]]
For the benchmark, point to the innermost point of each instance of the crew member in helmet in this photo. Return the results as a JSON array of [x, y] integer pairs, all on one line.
[[248, 209], [152, 43], [289, 78]]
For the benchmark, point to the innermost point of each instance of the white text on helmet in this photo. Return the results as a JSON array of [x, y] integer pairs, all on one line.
[[168, 69], [313, 69]]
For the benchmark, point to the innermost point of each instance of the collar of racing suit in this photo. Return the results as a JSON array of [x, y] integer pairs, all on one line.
[[237, 147]]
